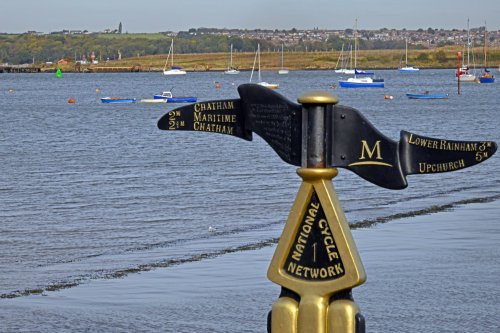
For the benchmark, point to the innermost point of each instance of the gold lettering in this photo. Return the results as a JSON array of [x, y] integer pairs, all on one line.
[[443, 144], [314, 273], [332, 252], [296, 255], [424, 167], [365, 147], [300, 248], [410, 141], [328, 240]]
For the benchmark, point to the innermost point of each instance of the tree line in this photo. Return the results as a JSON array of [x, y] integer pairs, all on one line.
[[26, 48]]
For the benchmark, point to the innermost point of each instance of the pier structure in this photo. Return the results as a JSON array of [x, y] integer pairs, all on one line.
[[29, 68]]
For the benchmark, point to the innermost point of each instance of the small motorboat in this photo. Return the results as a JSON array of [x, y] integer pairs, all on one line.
[[153, 100], [118, 100], [169, 98], [486, 77], [427, 95], [363, 82], [269, 85]]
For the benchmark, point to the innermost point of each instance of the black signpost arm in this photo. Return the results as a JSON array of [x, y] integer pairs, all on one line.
[[316, 261]]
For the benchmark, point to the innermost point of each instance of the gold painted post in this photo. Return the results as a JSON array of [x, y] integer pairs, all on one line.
[[316, 261]]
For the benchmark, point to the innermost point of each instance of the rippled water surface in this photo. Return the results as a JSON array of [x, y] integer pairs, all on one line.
[[91, 190]]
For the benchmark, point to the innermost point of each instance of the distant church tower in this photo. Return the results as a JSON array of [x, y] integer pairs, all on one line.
[[120, 28]]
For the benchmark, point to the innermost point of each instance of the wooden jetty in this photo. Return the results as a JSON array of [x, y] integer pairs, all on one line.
[[111, 69], [29, 68]]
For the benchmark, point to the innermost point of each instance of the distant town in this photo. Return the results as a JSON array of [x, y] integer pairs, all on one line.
[[424, 37], [86, 47]]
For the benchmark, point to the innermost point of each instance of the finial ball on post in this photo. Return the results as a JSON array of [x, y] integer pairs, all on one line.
[[318, 97]]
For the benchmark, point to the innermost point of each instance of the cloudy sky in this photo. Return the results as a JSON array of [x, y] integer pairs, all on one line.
[[167, 15]]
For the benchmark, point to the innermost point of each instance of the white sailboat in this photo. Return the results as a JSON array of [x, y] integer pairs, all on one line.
[[173, 69], [408, 68], [231, 69], [343, 62], [364, 81], [282, 70], [262, 83], [464, 73]]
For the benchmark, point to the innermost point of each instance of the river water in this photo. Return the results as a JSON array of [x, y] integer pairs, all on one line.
[[94, 192]]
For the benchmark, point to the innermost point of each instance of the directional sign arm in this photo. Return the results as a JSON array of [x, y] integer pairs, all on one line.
[[358, 146], [352, 141], [420, 154], [275, 119], [222, 116]]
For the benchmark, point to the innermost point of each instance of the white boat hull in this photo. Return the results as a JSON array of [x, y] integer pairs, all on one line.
[[269, 85], [174, 72], [232, 72], [408, 70], [344, 71], [468, 78]]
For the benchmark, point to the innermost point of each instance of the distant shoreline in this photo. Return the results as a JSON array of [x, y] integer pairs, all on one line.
[[440, 58]]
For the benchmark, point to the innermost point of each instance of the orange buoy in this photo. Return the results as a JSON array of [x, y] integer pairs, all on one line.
[[71, 100], [217, 85]]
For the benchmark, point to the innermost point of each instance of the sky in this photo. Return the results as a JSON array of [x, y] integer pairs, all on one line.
[[19, 16]]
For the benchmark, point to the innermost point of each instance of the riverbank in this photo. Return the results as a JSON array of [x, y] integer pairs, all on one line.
[[430, 273], [439, 58]]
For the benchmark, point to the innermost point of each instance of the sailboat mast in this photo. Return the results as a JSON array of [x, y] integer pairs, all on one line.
[[282, 50], [468, 43], [484, 46], [258, 52], [253, 67], [406, 56], [231, 61], [172, 47], [355, 42]]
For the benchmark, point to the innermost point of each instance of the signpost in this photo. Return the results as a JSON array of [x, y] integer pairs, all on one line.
[[316, 261]]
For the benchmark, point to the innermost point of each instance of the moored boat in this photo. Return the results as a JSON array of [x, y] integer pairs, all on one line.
[[427, 95], [362, 72], [365, 81], [486, 77], [153, 100], [174, 70], [269, 85], [118, 100], [408, 68], [231, 69], [169, 98], [362, 82], [262, 83], [282, 70], [464, 74]]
